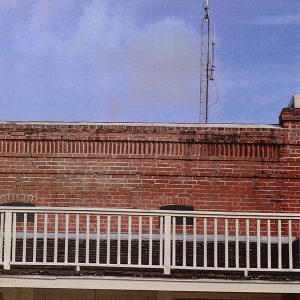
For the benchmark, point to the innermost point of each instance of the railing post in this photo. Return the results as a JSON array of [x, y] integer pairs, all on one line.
[[167, 245], [7, 240]]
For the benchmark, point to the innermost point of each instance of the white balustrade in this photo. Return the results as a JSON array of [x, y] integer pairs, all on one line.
[[149, 239]]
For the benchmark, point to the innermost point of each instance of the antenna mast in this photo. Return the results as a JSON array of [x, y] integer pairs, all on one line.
[[206, 64]]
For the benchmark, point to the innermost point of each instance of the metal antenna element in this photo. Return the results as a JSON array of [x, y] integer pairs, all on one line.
[[206, 64]]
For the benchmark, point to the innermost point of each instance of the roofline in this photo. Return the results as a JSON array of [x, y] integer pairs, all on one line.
[[149, 284], [145, 124]]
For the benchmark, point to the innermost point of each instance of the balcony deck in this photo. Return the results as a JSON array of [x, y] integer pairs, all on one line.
[[120, 242]]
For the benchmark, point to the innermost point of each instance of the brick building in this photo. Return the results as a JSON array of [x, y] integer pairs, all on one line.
[[150, 211]]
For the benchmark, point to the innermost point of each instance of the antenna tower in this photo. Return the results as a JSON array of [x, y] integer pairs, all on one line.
[[206, 64]]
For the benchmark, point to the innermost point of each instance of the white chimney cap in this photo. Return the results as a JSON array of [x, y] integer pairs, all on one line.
[[295, 102]]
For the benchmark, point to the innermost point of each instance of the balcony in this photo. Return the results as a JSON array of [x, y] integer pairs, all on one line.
[[148, 242]]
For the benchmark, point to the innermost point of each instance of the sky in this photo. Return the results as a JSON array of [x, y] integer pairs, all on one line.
[[138, 60]]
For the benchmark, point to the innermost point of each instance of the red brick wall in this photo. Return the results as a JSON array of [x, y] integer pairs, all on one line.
[[230, 167]]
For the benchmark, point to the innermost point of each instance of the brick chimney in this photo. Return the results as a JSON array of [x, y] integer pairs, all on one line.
[[290, 116], [290, 120]]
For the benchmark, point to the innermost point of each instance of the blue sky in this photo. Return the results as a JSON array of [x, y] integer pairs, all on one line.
[[138, 60]]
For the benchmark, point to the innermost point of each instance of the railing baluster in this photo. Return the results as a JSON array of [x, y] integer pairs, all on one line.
[[98, 232], [173, 241], [167, 244], [247, 245], [1, 235], [24, 238], [67, 238], [55, 237], [205, 243], [226, 243], [237, 244], [184, 242], [129, 239], [290, 245], [140, 242], [269, 243], [194, 242], [108, 239], [7, 240], [14, 238], [119, 233], [279, 246], [215, 243], [45, 242], [77, 242], [34, 237], [258, 244], [87, 240], [161, 233], [150, 240]]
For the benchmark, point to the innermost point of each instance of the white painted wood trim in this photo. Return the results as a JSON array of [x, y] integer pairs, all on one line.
[[145, 212], [150, 284]]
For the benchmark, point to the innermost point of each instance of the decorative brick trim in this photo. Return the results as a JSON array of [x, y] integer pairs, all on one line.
[[140, 148], [7, 198]]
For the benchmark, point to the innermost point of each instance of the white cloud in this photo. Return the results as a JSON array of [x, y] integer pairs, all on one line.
[[8, 7], [274, 20], [163, 62], [104, 58]]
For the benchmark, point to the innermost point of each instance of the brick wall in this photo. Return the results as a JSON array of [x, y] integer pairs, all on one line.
[[210, 167]]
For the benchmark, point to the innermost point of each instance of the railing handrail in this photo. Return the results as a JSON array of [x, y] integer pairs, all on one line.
[[146, 212]]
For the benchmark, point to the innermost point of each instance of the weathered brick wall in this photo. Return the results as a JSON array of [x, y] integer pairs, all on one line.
[[210, 167]]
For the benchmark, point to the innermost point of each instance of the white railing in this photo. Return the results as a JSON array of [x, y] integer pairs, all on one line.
[[84, 237]]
